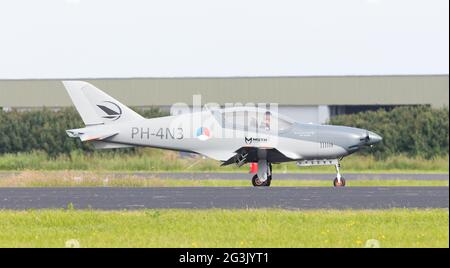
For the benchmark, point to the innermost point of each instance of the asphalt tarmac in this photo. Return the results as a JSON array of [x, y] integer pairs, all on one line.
[[284, 176], [106, 198], [277, 176]]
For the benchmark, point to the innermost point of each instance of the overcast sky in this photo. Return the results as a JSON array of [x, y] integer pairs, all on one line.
[[173, 38]]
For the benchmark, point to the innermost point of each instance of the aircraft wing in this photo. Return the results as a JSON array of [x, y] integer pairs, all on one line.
[[218, 155], [290, 155], [251, 155]]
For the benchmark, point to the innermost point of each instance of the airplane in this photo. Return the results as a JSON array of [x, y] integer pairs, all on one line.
[[237, 135]]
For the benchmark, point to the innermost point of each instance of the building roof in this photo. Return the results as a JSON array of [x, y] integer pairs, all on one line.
[[343, 90]]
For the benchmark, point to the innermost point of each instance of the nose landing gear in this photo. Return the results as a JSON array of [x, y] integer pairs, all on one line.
[[339, 181]]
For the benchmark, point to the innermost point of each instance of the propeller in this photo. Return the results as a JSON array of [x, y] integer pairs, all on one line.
[[366, 139], [369, 139]]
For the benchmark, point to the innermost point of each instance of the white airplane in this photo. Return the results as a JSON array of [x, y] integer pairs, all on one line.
[[233, 136]]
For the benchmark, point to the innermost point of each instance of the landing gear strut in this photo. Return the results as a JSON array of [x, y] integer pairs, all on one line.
[[339, 181], [257, 182]]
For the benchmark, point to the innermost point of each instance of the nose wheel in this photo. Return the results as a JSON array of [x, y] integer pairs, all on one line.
[[339, 181]]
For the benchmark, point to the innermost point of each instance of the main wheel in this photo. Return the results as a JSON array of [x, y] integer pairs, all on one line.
[[269, 180], [337, 184], [257, 182]]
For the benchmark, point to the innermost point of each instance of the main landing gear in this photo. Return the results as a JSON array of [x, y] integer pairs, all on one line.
[[339, 181], [257, 182]]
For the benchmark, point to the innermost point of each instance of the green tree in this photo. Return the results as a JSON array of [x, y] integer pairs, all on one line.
[[410, 130]]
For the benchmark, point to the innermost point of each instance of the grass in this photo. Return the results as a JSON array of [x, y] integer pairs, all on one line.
[[159, 161], [91, 179], [225, 228]]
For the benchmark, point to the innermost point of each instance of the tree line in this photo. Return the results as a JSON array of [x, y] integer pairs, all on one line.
[[415, 131], [45, 130]]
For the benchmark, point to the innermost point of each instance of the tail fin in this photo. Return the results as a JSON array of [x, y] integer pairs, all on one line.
[[96, 107]]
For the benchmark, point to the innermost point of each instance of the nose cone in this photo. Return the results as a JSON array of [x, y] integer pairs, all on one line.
[[373, 138]]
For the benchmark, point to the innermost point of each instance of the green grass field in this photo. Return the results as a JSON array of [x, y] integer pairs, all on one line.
[[225, 228], [159, 161], [98, 179], [212, 228]]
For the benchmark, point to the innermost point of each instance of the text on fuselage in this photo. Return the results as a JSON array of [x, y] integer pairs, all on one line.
[[162, 133]]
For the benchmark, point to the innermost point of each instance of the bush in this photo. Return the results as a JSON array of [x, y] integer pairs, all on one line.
[[418, 131], [413, 131], [45, 130]]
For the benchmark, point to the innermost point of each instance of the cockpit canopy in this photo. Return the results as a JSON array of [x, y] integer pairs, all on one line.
[[252, 119]]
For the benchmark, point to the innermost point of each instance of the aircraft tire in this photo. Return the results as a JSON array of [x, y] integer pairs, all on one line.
[[336, 184], [257, 183]]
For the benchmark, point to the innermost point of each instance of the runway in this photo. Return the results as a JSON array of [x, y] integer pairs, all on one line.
[[284, 176], [277, 176], [226, 197]]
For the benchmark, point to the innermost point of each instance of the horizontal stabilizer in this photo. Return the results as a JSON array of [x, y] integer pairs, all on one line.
[[109, 145], [90, 134]]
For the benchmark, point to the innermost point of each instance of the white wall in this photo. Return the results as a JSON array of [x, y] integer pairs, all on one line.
[[317, 114], [306, 114]]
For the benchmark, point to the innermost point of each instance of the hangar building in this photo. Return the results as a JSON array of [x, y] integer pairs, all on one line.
[[307, 99]]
